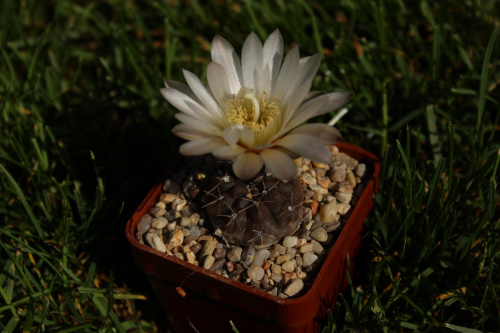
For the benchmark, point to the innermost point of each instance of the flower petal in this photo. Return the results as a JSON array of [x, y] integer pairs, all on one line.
[[251, 61], [202, 93], [326, 134], [297, 92], [318, 106], [187, 132], [201, 146], [235, 133], [247, 165], [189, 106], [232, 134], [288, 71], [307, 146], [335, 100], [198, 125], [224, 54], [303, 113], [183, 88], [279, 164], [228, 152], [273, 55], [218, 83]]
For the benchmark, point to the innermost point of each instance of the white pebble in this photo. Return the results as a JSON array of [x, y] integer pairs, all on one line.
[[287, 266], [343, 197], [276, 269], [159, 222], [185, 221], [255, 272], [294, 287], [317, 247], [260, 256], [360, 169], [276, 277], [290, 241], [280, 248], [319, 234], [308, 259], [328, 212], [306, 248]]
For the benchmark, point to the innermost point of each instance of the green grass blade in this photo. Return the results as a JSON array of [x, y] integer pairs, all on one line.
[[24, 202], [484, 84]]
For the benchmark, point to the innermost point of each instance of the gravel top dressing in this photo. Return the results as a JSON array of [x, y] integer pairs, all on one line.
[[267, 233]]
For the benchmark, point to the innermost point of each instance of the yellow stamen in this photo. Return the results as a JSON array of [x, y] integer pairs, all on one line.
[[259, 113]]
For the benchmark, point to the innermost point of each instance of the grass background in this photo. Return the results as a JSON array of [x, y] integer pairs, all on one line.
[[83, 128]]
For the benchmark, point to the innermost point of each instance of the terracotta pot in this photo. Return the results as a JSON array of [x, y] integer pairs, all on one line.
[[212, 300]]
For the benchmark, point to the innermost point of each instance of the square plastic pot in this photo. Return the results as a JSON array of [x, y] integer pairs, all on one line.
[[211, 300]]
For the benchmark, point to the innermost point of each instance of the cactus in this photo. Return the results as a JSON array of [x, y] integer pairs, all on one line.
[[259, 212]]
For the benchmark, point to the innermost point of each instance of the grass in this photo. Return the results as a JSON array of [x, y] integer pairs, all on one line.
[[83, 127]]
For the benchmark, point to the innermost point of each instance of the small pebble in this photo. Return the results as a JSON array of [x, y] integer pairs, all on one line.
[[281, 259], [306, 248], [332, 226], [291, 251], [178, 204], [191, 257], [176, 238], [159, 222], [298, 260], [294, 287], [194, 218], [234, 254], [290, 241], [328, 212], [287, 266], [194, 229], [208, 261], [308, 179], [345, 187], [338, 175], [260, 256], [360, 169], [185, 221], [144, 223], [324, 182], [301, 242], [229, 266], [248, 255], [317, 247], [280, 248], [208, 247], [219, 253], [273, 254], [255, 272], [276, 277], [308, 258], [319, 234], [156, 211], [276, 269], [167, 198], [343, 197], [218, 264], [351, 178]]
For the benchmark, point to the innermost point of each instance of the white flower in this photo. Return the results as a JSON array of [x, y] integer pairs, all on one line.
[[250, 111]]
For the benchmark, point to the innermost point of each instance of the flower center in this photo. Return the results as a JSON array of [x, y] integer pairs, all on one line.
[[260, 113]]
